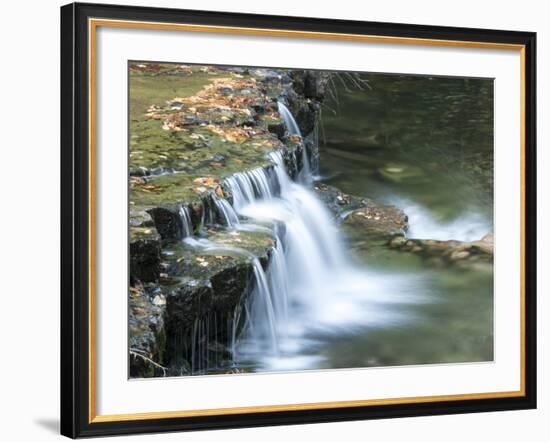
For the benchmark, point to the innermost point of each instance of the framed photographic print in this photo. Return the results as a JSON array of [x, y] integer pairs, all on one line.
[[278, 220]]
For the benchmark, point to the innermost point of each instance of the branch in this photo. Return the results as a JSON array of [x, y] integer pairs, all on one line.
[[137, 354]]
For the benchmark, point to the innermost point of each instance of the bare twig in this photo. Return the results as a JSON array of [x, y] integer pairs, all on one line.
[[363, 81], [335, 90], [136, 353], [346, 88], [355, 80]]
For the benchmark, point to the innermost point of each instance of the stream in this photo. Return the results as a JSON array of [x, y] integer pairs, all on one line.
[[326, 301], [426, 146]]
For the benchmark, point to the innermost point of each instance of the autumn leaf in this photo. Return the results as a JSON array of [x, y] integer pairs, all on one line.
[[206, 181]]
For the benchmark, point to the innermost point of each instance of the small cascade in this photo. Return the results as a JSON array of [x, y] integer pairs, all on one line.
[[308, 251], [246, 187], [187, 225], [278, 283], [424, 225], [310, 284], [293, 129], [204, 344], [262, 304], [290, 122], [226, 211], [262, 307]]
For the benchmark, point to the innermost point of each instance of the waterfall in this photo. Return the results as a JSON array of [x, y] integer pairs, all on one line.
[[288, 118], [310, 286], [248, 186], [308, 251], [226, 211], [293, 129], [187, 226], [424, 225], [262, 303]]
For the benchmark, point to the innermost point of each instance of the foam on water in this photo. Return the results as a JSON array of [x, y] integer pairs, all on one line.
[[316, 289], [424, 225], [311, 288]]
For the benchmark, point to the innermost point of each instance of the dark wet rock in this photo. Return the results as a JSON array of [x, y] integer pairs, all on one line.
[[310, 84], [187, 320], [147, 335], [471, 254], [304, 98], [181, 153], [144, 248], [305, 112], [212, 305], [206, 290], [293, 155], [167, 222], [278, 128], [145, 260]]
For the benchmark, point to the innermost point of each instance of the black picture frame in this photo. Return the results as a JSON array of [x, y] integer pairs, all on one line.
[[75, 220]]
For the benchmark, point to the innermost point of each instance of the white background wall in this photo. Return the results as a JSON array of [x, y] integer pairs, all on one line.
[[29, 220]]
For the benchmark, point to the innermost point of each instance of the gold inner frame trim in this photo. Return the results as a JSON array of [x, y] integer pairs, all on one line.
[[93, 24]]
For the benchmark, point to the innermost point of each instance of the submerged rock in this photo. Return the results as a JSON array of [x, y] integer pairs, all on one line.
[[366, 218], [398, 172], [378, 221], [473, 254]]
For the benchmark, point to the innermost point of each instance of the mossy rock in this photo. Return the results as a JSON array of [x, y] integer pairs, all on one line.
[[378, 221], [476, 255], [146, 327]]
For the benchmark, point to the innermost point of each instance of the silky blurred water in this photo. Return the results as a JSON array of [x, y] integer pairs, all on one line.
[[426, 145]]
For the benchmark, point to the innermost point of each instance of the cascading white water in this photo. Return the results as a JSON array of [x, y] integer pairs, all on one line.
[[288, 118], [424, 225], [187, 226], [226, 211], [262, 302], [310, 286], [293, 129]]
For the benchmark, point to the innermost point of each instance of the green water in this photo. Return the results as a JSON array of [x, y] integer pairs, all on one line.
[[424, 144], [421, 138]]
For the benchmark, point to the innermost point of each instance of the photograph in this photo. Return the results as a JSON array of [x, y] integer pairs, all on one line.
[[282, 220]]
